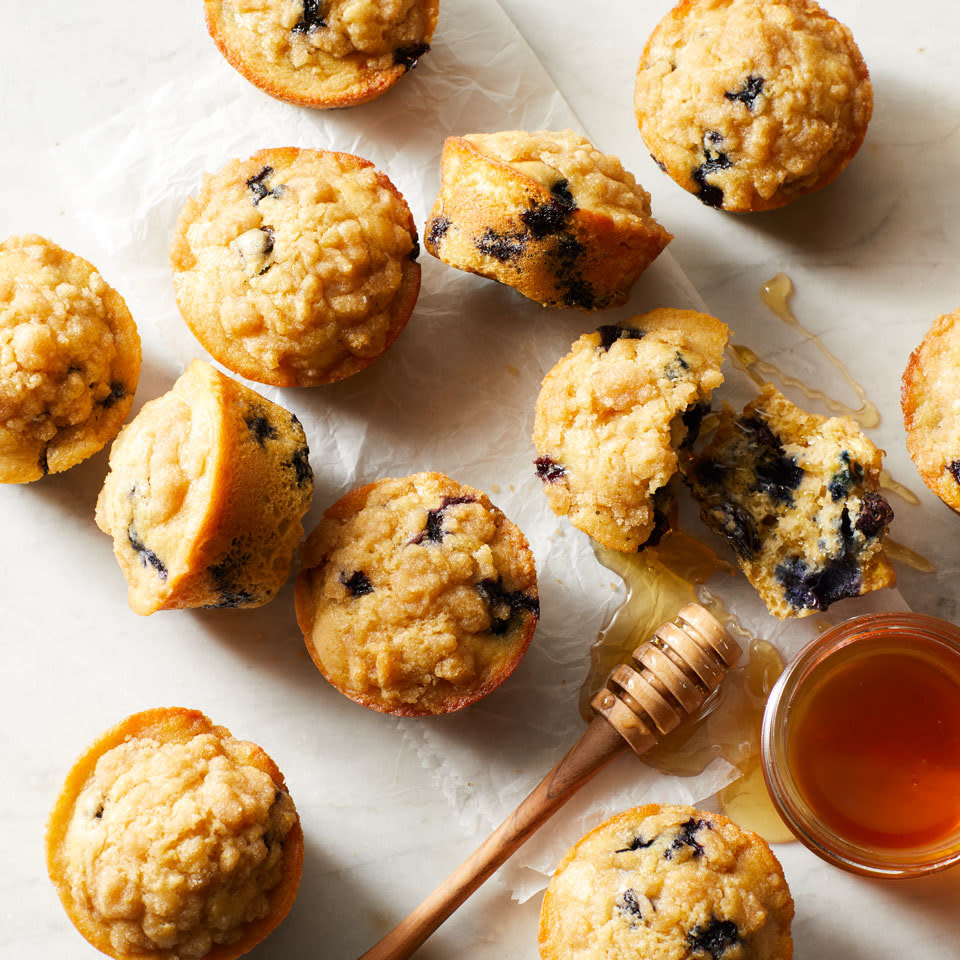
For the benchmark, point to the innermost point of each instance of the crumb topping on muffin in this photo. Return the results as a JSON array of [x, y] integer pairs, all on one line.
[[69, 359]]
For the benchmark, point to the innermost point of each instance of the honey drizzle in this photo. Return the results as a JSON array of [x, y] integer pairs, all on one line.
[[659, 581], [776, 293], [897, 551]]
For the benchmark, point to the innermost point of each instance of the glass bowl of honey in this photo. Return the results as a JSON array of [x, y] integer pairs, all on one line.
[[861, 745]]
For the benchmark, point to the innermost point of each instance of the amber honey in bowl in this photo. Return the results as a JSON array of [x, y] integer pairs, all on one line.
[[861, 745]]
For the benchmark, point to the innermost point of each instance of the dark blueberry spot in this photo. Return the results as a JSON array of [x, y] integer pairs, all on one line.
[[659, 163], [777, 475], [610, 333], [954, 469], [42, 462], [225, 575], [415, 249], [147, 557], [501, 246], [629, 905], [561, 191], [807, 589], [714, 939], [433, 531], [99, 814], [686, 837], [505, 605], [844, 479], [408, 56], [548, 470], [676, 368], [300, 461], [358, 583], [258, 186], [579, 293], [637, 843], [576, 291], [260, 427], [544, 219], [437, 230], [312, 18], [875, 515], [266, 269], [735, 523], [749, 93], [709, 194], [268, 241], [117, 392], [692, 419]]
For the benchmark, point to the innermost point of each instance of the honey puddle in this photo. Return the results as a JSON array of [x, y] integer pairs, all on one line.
[[659, 581]]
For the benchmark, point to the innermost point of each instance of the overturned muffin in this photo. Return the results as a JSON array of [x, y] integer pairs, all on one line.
[[171, 840], [322, 53], [929, 397], [796, 495], [205, 495], [69, 359], [545, 213], [750, 103], [667, 883], [296, 267], [416, 595], [612, 414]]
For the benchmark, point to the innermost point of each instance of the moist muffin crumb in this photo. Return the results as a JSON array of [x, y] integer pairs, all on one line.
[[296, 267], [931, 411], [545, 213], [613, 418], [667, 883], [797, 497], [69, 359], [172, 840], [749, 103], [322, 53], [416, 595]]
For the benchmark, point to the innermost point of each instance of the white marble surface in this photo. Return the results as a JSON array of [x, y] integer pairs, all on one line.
[[873, 258]]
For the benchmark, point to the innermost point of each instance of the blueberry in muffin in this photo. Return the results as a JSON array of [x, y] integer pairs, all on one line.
[[797, 497]]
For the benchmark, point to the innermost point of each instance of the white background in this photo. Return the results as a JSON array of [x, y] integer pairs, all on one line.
[[874, 260]]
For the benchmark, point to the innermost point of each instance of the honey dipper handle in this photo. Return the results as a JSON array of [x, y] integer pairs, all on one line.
[[599, 744]]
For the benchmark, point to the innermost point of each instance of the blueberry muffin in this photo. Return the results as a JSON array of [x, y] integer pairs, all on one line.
[[207, 488], [930, 388], [751, 103], [171, 840], [296, 267], [69, 359], [667, 883], [416, 595], [545, 213], [322, 53], [612, 414], [796, 495]]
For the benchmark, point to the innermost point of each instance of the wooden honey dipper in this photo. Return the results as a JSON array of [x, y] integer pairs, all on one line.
[[672, 675]]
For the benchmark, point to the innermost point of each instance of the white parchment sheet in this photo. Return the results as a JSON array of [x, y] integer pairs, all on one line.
[[455, 393]]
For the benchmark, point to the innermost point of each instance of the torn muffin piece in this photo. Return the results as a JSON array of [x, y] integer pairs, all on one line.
[[545, 213], [416, 595], [797, 497], [667, 882], [172, 840], [612, 415], [322, 53], [207, 488]]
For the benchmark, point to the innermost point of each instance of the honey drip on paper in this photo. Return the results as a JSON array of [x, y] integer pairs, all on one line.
[[659, 581], [775, 294]]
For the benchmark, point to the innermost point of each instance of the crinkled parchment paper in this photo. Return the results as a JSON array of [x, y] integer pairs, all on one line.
[[456, 392]]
